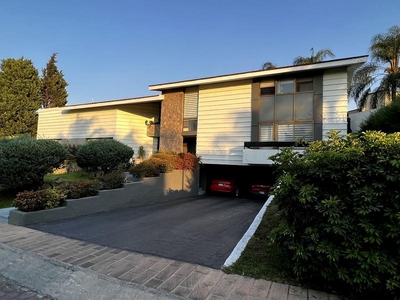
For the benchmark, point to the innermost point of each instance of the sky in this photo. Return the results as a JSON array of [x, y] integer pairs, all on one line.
[[115, 49]]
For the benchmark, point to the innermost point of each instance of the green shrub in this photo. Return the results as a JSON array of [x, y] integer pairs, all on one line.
[[24, 161], [104, 155], [385, 119], [145, 169], [187, 161], [113, 180], [169, 160], [80, 189], [160, 164], [340, 208], [38, 200]]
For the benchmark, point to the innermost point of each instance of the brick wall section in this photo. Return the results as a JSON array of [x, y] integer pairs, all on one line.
[[172, 121]]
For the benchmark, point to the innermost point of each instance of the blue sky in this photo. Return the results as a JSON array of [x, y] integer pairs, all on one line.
[[116, 49]]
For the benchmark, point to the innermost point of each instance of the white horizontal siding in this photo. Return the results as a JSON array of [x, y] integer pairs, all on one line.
[[224, 122], [335, 102], [131, 128], [61, 123]]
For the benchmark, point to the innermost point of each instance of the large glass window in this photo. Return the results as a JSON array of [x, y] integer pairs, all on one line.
[[286, 113]]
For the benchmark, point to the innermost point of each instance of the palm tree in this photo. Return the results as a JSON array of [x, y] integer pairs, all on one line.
[[318, 57], [379, 79], [268, 66]]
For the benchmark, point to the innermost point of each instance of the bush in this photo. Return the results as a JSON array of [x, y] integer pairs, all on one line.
[[24, 161], [113, 180], [145, 169], [38, 200], [187, 161], [80, 189], [385, 119], [340, 208], [104, 155], [169, 160]]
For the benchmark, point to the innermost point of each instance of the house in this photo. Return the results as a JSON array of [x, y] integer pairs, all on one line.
[[124, 120], [235, 122]]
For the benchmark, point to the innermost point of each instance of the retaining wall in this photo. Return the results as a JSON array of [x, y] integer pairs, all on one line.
[[166, 187]]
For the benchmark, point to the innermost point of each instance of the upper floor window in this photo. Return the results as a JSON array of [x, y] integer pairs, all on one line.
[[190, 109]]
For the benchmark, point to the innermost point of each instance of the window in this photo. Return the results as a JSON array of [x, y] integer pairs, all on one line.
[[286, 113], [190, 109]]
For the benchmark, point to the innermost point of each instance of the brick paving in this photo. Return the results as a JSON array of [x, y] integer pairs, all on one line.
[[186, 280], [12, 291]]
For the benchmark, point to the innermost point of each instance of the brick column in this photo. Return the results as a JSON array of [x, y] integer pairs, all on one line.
[[172, 121]]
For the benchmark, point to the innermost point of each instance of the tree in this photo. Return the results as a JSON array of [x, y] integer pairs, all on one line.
[[268, 66], [378, 79], [318, 57], [19, 97], [53, 89]]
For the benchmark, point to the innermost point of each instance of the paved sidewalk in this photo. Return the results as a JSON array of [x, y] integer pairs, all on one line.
[[12, 291], [185, 280]]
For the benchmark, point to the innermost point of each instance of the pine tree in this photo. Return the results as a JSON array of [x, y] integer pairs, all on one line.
[[53, 89], [19, 97]]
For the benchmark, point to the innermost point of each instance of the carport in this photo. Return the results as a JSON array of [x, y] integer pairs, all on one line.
[[202, 230]]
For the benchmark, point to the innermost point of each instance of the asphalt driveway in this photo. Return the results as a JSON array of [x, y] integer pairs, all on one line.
[[202, 230]]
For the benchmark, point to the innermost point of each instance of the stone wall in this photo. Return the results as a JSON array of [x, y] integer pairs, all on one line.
[[166, 187], [172, 121]]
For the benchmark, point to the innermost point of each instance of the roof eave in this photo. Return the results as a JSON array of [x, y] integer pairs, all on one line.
[[346, 62]]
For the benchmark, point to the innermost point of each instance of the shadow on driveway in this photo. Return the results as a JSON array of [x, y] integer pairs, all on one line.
[[201, 230]]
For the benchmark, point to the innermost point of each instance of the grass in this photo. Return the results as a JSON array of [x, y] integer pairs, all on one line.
[[260, 259], [68, 176], [6, 198]]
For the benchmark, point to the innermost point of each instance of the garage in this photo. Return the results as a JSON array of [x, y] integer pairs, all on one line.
[[243, 176]]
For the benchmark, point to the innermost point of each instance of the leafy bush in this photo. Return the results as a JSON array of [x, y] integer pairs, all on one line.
[[340, 208], [104, 155], [38, 200], [145, 169], [385, 119], [169, 161], [187, 161], [24, 161], [113, 180], [80, 189]]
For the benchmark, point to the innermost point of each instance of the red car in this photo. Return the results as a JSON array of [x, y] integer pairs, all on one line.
[[224, 186], [259, 190]]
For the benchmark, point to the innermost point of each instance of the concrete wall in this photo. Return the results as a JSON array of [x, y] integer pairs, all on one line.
[[166, 187], [172, 121], [357, 118]]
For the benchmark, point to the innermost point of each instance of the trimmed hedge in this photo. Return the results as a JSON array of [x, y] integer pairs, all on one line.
[[24, 161], [340, 213], [105, 155], [80, 189], [146, 168], [114, 180], [385, 119], [38, 200]]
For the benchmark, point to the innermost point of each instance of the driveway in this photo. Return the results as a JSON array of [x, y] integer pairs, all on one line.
[[202, 230]]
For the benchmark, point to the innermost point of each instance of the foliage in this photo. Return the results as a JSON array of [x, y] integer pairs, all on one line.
[[340, 208], [381, 72], [38, 200], [80, 189], [67, 176], [141, 152], [53, 87], [72, 150], [147, 168], [113, 180], [104, 155], [385, 119], [19, 97], [161, 165], [169, 160], [268, 66], [24, 161], [318, 57], [187, 161]]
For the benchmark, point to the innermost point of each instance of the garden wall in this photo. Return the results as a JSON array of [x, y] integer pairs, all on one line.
[[168, 186]]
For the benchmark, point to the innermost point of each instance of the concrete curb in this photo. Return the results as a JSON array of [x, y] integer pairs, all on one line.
[[237, 251], [66, 282]]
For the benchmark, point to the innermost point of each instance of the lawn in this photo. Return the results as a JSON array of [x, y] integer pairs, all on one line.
[[6, 198], [261, 260], [68, 176]]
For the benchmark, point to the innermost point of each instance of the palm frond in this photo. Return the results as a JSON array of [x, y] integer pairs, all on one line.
[[268, 66], [300, 60], [322, 54]]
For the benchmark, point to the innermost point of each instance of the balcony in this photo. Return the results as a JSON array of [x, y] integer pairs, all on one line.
[[153, 130], [257, 153]]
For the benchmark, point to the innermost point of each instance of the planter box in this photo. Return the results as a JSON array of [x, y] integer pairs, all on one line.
[[168, 186]]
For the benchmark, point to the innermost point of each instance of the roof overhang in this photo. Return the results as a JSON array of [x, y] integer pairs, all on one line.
[[352, 62], [110, 103]]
